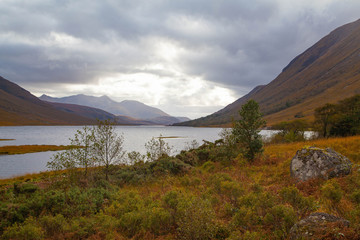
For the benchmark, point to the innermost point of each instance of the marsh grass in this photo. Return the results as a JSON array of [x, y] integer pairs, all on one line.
[[22, 149]]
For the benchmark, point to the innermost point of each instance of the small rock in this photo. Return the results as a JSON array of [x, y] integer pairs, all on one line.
[[312, 162], [315, 223]]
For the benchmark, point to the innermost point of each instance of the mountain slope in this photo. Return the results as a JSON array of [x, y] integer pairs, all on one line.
[[88, 112], [20, 107], [133, 109], [326, 72]]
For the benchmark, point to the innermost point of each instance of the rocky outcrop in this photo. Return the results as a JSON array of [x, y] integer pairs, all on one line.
[[312, 162], [316, 224]]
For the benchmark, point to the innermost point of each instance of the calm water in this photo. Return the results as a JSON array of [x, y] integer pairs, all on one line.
[[135, 138]]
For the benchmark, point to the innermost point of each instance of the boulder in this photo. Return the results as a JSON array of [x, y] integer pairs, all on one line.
[[313, 162], [317, 224]]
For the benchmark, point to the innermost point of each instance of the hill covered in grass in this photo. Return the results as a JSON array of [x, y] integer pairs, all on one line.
[[207, 193], [327, 72]]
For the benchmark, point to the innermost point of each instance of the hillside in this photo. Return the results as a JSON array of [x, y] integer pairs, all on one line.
[[20, 107], [325, 73]]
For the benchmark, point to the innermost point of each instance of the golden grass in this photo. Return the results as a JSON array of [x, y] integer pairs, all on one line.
[[22, 149]]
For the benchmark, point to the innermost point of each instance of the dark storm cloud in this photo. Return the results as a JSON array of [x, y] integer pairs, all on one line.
[[236, 43]]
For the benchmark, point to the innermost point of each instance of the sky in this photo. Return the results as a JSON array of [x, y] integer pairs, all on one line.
[[186, 57]]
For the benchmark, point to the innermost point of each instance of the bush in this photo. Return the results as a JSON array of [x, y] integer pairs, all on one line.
[[246, 218], [281, 218], [54, 225], [331, 191], [293, 196], [29, 230], [195, 220]]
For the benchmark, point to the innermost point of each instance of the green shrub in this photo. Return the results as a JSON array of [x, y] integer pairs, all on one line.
[[246, 218], [208, 166], [281, 218], [195, 219], [355, 196], [293, 196], [157, 220], [29, 230], [331, 191], [54, 225], [82, 227]]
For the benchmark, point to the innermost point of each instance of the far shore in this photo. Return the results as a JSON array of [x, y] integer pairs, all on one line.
[[22, 149]]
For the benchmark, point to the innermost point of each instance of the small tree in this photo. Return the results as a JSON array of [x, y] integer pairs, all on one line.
[[246, 129], [82, 153], [157, 147], [78, 156], [324, 118], [108, 149]]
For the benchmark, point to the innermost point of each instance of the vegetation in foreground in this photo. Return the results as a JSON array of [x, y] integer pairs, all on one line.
[[204, 193], [22, 149], [215, 191]]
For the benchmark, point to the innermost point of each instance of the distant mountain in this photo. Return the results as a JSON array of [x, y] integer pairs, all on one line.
[[327, 72], [84, 111], [20, 107], [132, 109]]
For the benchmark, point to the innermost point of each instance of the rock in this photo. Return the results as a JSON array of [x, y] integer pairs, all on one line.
[[312, 162], [316, 224]]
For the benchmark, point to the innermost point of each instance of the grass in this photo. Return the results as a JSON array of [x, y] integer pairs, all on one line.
[[22, 149]]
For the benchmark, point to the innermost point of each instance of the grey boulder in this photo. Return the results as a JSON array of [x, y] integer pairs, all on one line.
[[313, 162], [316, 224]]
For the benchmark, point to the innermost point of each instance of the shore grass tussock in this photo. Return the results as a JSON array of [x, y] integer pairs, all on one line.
[[211, 192], [22, 149]]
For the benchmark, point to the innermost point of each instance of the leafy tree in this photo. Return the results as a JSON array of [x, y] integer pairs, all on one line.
[[246, 130], [290, 131], [108, 149], [347, 121], [324, 118], [83, 140], [157, 147], [342, 119], [78, 156]]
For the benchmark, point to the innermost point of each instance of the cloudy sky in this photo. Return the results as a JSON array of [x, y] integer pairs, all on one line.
[[187, 57]]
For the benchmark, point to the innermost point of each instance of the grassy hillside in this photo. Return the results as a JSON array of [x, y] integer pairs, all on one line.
[[207, 193], [325, 73], [20, 107]]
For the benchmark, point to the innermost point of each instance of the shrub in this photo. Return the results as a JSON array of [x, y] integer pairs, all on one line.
[[293, 196], [54, 225], [331, 191], [195, 220], [29, 230], [246, 218], [281, 218]]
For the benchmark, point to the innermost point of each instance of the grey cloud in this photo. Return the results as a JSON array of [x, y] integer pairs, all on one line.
[[248, 44]]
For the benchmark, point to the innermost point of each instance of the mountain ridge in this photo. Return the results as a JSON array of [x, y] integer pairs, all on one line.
[[324, 73], [129, 108]]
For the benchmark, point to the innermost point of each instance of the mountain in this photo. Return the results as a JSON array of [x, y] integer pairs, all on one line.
[[325, 73], [133, 109], [87, 112], [20, 107]]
